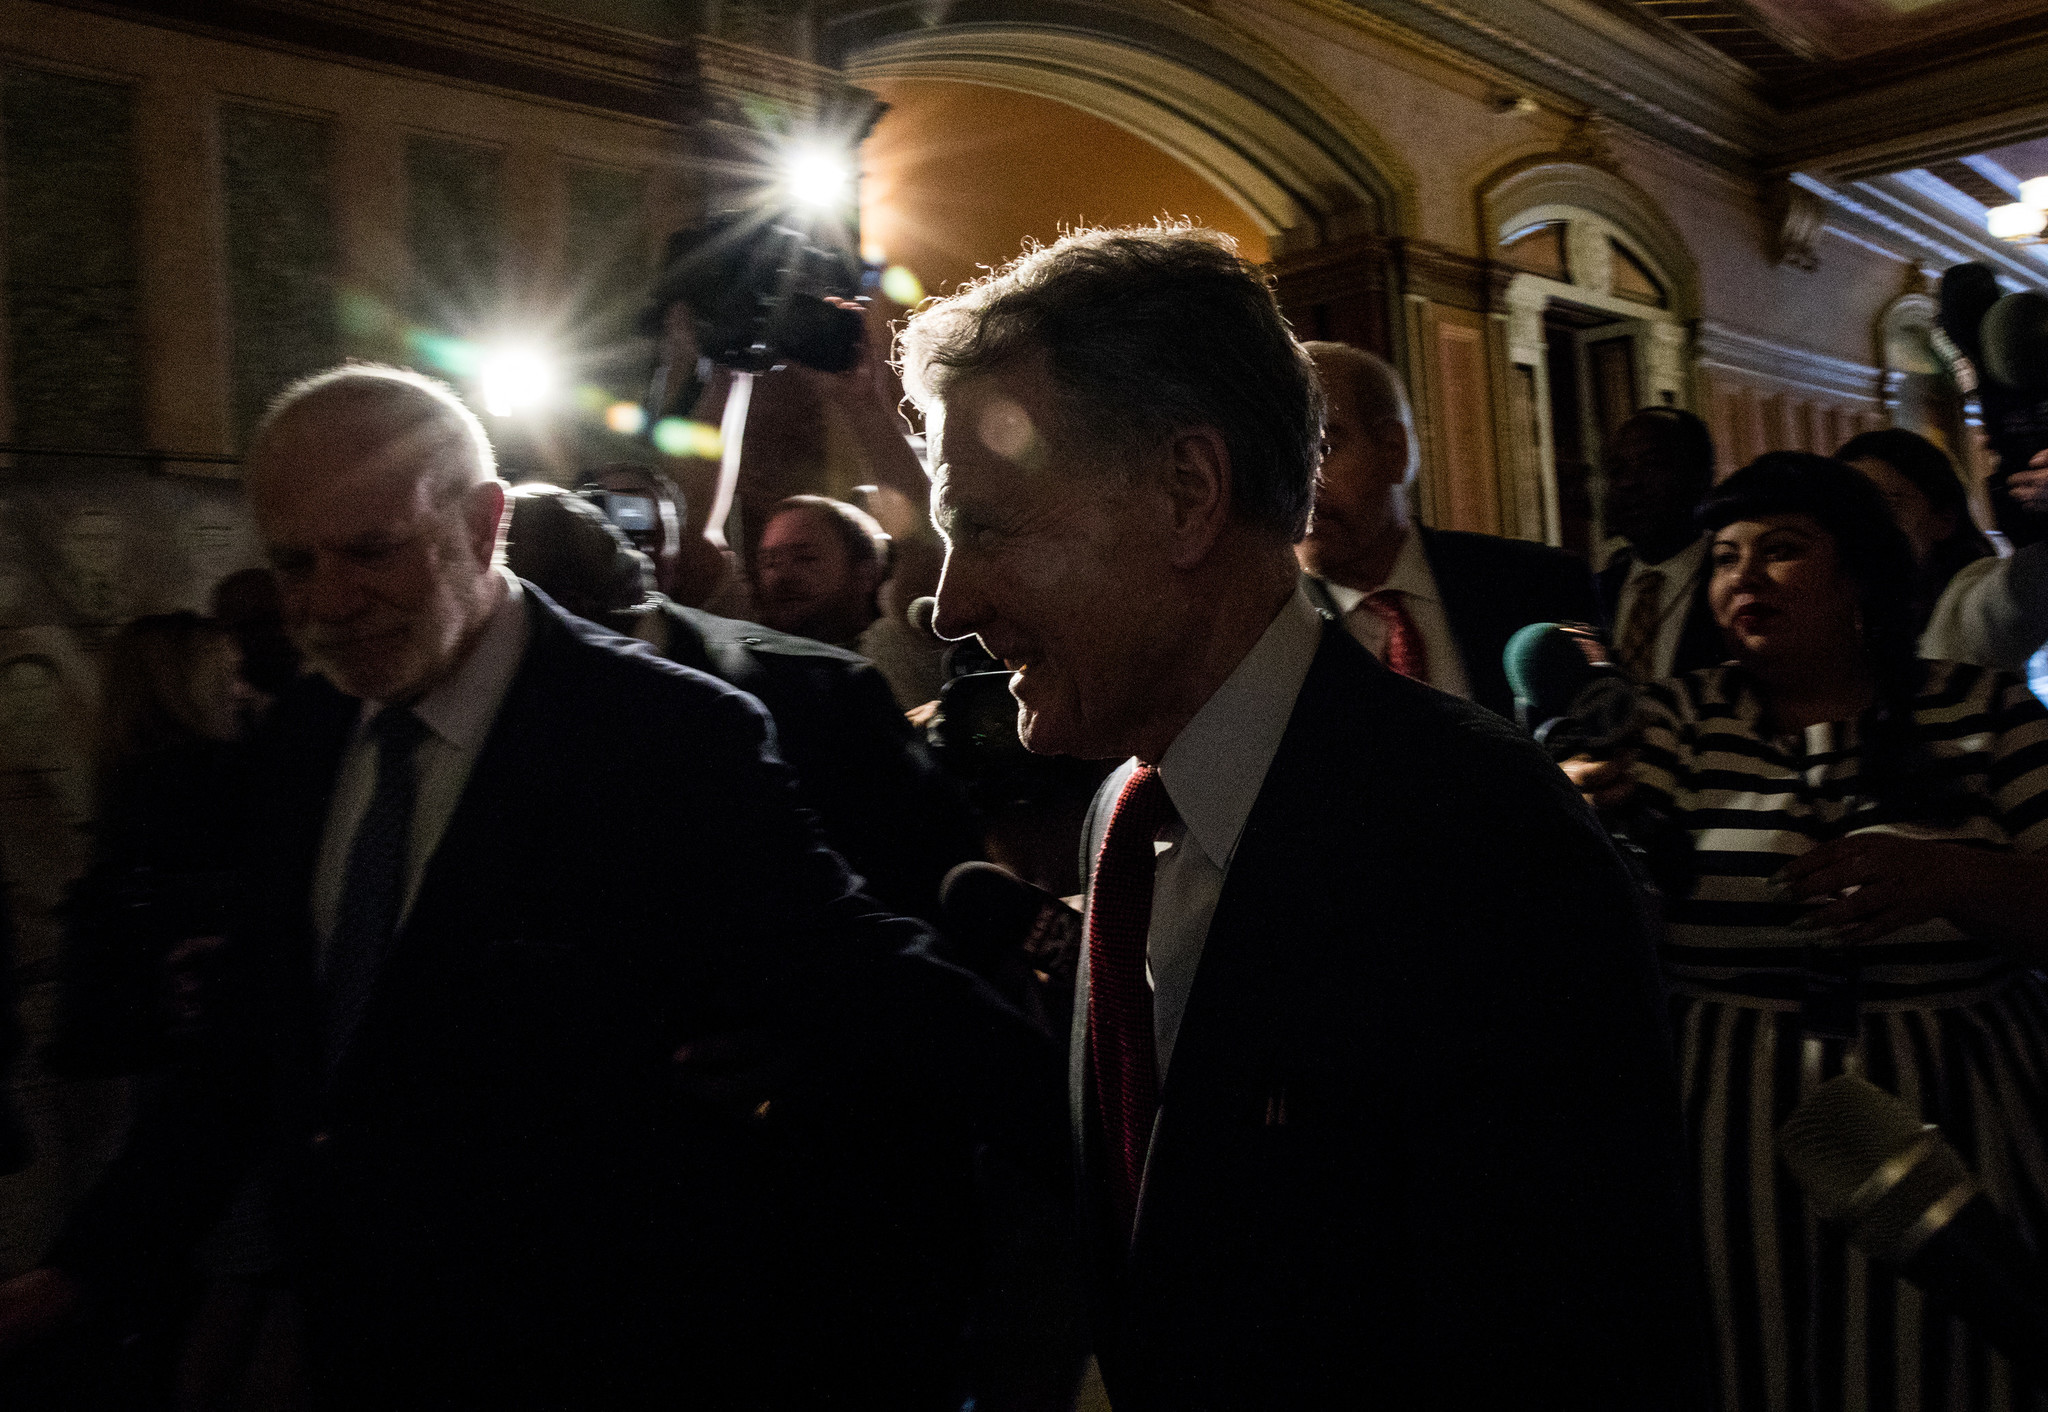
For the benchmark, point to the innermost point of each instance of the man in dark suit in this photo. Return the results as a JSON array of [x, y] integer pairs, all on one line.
[[1369, 1078], [1437, 605], [1653, 590], [886, 805], [572, 1068]]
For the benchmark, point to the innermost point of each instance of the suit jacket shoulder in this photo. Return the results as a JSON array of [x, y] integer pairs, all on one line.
[[1492, 588], [1425, 1040]]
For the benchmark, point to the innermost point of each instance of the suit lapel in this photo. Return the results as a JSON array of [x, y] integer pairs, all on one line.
[[480, 840]]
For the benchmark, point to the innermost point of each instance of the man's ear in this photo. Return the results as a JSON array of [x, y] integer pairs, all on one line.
[[1392, 446], [484, 514], [1198, 492]]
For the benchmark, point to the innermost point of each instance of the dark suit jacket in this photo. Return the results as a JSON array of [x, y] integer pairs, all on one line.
[[1492, 588], [1700, 643], [500, 1198], [887, 807], [1420, 1145]]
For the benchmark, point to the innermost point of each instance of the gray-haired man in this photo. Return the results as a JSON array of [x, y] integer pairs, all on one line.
[[1369, 1078]]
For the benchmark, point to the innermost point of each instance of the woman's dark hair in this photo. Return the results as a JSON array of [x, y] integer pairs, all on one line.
[[1873, 551], [1928, 467]]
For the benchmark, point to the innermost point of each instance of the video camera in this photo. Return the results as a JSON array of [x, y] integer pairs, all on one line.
[[757, 293], [2005, 338]]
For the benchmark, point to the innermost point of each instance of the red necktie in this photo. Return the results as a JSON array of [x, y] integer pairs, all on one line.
[[1120, 1038], [1405, 652]]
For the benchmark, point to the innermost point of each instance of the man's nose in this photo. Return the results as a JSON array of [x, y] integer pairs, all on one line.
[[955, 614]]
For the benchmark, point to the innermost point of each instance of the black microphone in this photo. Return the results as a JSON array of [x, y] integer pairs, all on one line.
[[1000, 925], [2009, 349], [920, 613], [1864, 1159]]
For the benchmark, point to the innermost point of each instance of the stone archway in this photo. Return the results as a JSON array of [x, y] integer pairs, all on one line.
[[1215, 98]]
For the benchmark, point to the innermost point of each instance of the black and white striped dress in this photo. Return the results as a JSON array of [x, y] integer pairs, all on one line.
[[1947, 1022]]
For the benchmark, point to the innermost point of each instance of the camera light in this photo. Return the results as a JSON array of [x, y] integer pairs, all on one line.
[[2035, 193], [514, 380], [2015, 222], [815, 176], [626, 418]]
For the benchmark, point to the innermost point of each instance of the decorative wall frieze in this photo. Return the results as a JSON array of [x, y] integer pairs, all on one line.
[[1797, 217], [1724, 349]]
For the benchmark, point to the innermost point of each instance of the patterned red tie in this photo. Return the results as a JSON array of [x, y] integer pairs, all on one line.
[[1120, 1037], [1404, 652]]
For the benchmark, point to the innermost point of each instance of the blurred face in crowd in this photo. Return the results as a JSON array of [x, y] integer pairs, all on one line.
[[806, 581], [1651, 490], [1367, 458], [384, 569], [1050, 560], [1911, 510], [221, 702], [1779, 591]]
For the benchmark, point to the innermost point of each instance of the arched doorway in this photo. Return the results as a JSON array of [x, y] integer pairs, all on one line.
[[956, 176], [1213, 97], [1600, 308]]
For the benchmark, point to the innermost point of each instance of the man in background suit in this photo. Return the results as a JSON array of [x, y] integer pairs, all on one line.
[[1369, 1080], [886, 805], [1436, 605], [1653, 590], [523, 888]]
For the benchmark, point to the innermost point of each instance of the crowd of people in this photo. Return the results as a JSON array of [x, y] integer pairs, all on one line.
[[541, 935]]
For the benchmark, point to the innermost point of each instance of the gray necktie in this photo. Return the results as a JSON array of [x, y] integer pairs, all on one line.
[[373, 888]]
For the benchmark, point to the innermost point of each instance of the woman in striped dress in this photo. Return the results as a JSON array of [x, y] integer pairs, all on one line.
[[1867, 891]]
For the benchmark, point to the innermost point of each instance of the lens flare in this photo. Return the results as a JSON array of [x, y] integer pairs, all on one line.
[[902, 286], [514, 380], [626, 418], [679, 436]]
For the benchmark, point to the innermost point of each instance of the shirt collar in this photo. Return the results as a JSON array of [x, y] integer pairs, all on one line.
[[1684, 565], [1215, 767], [1409, 575], [460, 709]]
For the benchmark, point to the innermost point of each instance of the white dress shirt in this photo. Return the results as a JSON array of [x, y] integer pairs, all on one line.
[[1213, 772], [1412, 579], [1681, 581], [458, 715], [1994, 612]]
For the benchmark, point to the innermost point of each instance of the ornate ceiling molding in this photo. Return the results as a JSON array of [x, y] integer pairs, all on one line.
[[503, 47]]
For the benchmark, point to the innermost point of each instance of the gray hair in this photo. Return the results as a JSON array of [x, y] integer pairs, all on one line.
[[400, 405], [1148, 332]]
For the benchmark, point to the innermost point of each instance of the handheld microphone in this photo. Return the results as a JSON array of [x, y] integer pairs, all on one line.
[[1865, 1160], [1000, 925], [1568, 695], [1575, 702], [920, 613]]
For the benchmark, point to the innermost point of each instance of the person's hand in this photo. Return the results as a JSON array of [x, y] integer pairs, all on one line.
[[2029, 488], [1879, 883], [1604, 784], [36, 1305]]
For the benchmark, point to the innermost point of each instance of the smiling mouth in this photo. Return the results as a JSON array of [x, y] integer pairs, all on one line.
[[1754, 615]]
